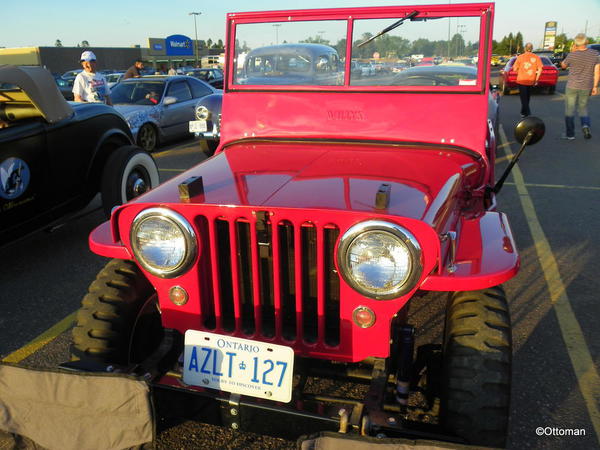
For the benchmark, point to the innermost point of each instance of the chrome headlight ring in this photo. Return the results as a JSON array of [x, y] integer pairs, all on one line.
[[380, 233], [202, 112], [154, 224]]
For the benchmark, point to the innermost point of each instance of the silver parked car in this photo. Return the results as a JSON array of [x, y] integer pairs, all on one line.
[[159, 108], [113, 78]]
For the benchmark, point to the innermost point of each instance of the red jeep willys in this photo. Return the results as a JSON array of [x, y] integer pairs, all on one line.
[[335, 199]]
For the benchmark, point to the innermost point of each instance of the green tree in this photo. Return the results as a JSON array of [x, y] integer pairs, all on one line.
[[315, 40], [85, 44], [58, 43], [519, 43], [457, 45]]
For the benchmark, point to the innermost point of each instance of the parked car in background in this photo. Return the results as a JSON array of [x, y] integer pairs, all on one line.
[[56, 156], [214, 77], [207, 121], [367, 69], [64, 86], [400, 66], [594, 47], [70, 75], [292, 64], [113, 78], [355, 69], [158, 108], [547, 81]]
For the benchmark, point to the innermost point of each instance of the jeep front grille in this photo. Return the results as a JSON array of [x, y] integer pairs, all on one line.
[[272, 279]]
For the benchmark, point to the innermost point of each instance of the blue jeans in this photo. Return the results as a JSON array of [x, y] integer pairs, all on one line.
[[579, 98]]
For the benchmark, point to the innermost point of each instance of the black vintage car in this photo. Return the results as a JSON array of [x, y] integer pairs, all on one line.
[[212, 76], [207, 123], [56, 156]]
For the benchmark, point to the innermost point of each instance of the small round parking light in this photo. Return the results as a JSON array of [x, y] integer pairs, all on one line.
[[363, 317], [178, 295]]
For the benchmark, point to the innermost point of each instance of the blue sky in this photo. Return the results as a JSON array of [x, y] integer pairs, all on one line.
[[123, 23]]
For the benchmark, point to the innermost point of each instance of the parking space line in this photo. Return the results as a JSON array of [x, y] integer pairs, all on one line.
[[188, 149], [558, 186], [43, 339], [579, 353]]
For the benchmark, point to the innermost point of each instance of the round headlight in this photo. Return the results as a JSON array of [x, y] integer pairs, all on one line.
[[202, 112], [163, 242], [379, 259]]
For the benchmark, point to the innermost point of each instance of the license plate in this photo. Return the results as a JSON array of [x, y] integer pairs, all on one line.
[[198, 126], [240, 366]]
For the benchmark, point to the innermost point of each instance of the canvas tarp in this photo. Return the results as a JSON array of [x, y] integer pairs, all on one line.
[[327, 440], [71, 410]]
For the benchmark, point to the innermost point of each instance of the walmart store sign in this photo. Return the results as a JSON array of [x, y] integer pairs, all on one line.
[[178, 44]]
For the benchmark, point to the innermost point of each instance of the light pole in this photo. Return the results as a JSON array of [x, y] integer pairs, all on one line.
[[196, 35], [277, 25]]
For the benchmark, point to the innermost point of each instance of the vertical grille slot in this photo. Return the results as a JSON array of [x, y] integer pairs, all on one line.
[[264, 251], [308, 267], [206, 274], [226, 276], [245, 277], [286, 280], [332, 288]]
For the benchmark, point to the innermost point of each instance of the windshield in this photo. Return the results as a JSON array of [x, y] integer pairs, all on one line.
[[314, 52], [450, 42], [113, 77], [138, 92], [298, 53]]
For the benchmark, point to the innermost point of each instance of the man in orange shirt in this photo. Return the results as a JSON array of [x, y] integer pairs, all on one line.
[[529, 68]]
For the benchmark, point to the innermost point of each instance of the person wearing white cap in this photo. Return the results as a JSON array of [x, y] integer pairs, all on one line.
[[90, 86]]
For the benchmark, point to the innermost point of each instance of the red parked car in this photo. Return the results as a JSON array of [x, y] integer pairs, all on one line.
[[547, 81], [295, 251]]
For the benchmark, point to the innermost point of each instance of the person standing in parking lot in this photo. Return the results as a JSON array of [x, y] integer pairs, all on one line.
[[584, 75], [134, 71], [90, 86], [528, 66]]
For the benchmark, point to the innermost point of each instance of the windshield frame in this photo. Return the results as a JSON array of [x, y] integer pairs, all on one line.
[[483, 11]]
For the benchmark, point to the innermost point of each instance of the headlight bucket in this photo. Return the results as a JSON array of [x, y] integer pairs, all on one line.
[[163, 242], [379, 259]]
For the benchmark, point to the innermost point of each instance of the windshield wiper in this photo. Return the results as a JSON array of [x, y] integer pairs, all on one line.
[[390, 28]]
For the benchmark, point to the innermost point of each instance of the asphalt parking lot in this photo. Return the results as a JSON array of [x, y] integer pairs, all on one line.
[[551, 199]]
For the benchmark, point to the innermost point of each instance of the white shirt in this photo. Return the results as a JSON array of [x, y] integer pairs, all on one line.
[[92, 87]]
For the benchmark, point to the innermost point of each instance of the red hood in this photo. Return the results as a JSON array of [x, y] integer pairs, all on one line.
[[330, 176]]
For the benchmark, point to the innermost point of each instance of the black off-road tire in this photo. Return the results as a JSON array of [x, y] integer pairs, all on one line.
[[111, 313], [476, 375], [551, 90], [125, 167]]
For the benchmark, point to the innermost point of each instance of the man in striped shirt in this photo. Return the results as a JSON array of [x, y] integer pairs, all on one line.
[[584, 75]]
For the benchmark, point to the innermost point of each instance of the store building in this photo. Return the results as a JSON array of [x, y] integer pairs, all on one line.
[[161, 53]]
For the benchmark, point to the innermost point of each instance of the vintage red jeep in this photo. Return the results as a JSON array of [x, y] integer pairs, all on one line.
[[334, 200]]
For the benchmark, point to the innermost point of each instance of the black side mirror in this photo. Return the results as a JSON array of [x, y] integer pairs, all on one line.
[[527, 132], [530, 130]]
